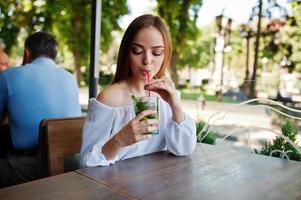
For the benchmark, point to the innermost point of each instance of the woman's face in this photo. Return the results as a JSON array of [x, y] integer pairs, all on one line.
[[146, 52]]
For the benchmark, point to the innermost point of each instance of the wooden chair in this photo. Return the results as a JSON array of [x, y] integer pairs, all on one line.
[[58, 138]]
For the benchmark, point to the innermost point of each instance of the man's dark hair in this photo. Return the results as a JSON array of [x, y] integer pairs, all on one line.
[[41, 44]]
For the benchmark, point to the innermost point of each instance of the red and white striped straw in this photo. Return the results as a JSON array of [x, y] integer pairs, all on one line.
[[147, 78]]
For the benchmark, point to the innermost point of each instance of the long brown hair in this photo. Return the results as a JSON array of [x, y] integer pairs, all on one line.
[[123, 70]]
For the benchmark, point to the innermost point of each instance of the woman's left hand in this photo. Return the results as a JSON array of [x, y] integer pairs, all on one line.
[[165, 88]]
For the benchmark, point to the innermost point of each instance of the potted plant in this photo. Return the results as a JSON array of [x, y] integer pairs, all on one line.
[[204, 134], [279, 145]]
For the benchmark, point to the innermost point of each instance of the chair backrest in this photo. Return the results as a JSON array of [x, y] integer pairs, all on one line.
[[59, 138]]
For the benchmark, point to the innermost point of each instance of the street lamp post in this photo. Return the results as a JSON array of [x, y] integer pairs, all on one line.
[[248, 33], [222, 45]]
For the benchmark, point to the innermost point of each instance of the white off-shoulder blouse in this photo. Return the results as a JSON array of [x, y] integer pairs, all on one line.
[[103, 122]]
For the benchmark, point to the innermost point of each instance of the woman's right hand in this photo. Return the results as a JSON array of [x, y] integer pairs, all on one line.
[[137, 129]]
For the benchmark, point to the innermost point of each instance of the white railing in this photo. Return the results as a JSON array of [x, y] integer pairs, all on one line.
[[263, 103]]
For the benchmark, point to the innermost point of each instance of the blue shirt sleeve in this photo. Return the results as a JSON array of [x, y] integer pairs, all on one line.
[[3, 95]]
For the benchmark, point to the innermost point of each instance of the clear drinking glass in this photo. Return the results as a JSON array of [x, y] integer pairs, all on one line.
[[147, 103]]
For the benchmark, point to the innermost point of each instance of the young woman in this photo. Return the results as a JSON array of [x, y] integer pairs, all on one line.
[[112, 132]]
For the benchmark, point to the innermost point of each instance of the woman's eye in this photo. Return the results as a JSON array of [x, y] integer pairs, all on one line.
[[157, 53], [136, 51]]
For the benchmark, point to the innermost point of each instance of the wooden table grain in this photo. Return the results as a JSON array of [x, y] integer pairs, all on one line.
[[65, 186], [210, 173]]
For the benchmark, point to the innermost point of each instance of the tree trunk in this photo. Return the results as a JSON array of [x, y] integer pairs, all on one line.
[[178, 22], [173, 67], [253, 79], [179, 41], [246, 84], [76, 56], [76, 21]]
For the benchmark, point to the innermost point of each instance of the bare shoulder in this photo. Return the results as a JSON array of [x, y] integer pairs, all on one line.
[[114, 95]]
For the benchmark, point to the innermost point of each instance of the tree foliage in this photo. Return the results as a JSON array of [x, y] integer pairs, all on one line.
[[69, 20], [181, 17], [14, 15], [264, 10], [196, 52], [289, 40]]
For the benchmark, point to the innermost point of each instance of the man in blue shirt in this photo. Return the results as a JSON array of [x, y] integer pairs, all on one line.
[[36, 90]]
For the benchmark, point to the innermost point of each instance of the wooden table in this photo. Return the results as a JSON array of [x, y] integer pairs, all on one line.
[[210, 173], [66, 186]]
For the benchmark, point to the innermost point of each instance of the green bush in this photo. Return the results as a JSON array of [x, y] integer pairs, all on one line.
[[282, 145], [105, 79], [201, 131]]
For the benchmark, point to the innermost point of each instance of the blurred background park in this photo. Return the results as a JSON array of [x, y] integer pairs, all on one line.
[[224, 51]]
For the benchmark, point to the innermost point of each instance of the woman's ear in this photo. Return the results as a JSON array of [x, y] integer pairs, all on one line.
[[27, 57]]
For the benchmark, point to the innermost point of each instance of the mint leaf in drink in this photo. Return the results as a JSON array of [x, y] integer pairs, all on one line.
[[140, 105], [146, 103]]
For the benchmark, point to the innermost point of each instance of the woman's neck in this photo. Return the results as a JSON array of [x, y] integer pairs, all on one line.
[[136, 87]]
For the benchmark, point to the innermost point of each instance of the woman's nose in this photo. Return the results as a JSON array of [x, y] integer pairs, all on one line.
[[147, 59]]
